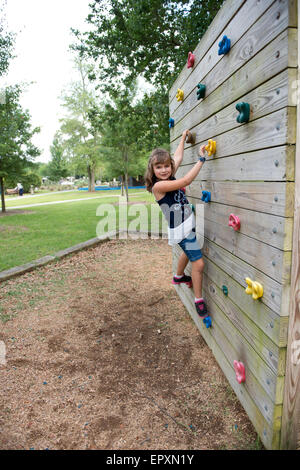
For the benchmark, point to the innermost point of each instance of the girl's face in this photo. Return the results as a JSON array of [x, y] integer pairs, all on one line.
[[163, 170]]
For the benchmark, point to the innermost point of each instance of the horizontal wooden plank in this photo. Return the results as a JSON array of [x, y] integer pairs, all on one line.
[[237, 335], [271, 198], [267, 259], [221, 20], [270, 353], [273, 22], [250, 166], [276, 129], [272, 324], [238, 269], [273, 230], [271, 61], [223, 349], [265, 99]]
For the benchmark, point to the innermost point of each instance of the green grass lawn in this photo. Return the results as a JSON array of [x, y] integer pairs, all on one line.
[[44, 230]]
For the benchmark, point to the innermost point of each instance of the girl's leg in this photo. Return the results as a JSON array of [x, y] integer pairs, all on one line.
[[197, 275], [182, 262]]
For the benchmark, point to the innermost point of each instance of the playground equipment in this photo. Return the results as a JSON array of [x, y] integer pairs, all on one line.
[[234, 222], [240, 372], [206, 196], [191, 60], [171, 122], [190, 138], [254, 288], [201, 91], [252, 225], [179, 95], [244, 112], [224, 46], [207, 321], [211, 147]]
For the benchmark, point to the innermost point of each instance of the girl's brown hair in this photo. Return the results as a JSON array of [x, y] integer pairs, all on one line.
[[157, 156]]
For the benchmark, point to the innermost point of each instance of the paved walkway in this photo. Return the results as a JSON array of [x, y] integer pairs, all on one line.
[[24, 206]]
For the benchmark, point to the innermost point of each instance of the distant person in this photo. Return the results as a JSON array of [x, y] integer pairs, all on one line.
[[20, 189]]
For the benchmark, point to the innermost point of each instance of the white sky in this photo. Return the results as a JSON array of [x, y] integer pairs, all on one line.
[[43, 38]]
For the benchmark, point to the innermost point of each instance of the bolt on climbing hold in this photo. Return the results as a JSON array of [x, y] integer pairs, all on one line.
[[201, 91], [171, 122], [179, 95], [191, 60], [234, 222], [211, 147], [240, 372], [207, 321], [206, 196], [254, 288], [244, 110], [225, 290], [224, 45], [190, 138]]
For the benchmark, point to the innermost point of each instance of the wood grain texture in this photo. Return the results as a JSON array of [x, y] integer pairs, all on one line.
[[269, 62], [265, 99], [262, 412], [272, 230], [272, 198], [290, 435], [254, 174], [262, 32], [269, 131], [221, 20]]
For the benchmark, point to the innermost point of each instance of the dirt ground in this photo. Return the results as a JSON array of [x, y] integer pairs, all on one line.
[[102, 354]]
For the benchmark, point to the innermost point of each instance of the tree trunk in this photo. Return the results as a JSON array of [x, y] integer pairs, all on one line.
[[91, 176], [126, 186], [2, 193], [122, 185], [126, 176]]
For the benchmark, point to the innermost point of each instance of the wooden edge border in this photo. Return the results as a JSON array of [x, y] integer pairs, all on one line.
[[19, 270]]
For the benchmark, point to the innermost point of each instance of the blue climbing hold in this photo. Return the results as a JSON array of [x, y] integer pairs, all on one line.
[[207, 321], [171, 122], [224, 46], [205, 196]]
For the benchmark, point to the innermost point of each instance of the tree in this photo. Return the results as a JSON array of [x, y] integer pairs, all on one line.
[[57, 167], [124, 134], [142, 37], [81, 140], [16, 147], [6, 43]]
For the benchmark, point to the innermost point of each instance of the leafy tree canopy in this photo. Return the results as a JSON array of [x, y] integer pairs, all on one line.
[[16, 147], [142, 37], [7, 40]]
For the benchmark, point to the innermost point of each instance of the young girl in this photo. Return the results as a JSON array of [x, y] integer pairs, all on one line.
[[167, 191]]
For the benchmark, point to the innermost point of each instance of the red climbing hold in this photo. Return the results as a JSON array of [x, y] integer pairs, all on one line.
[[191, 60], [234, 222], [239, 371]]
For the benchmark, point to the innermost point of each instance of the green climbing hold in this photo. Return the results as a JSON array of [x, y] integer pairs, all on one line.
[[225, 290]]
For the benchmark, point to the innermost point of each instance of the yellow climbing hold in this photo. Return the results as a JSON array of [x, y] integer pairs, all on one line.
[[211, 147], [179, 95], [254, 288]]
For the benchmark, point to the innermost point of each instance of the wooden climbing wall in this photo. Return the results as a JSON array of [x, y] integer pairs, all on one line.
[[252, 175]]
